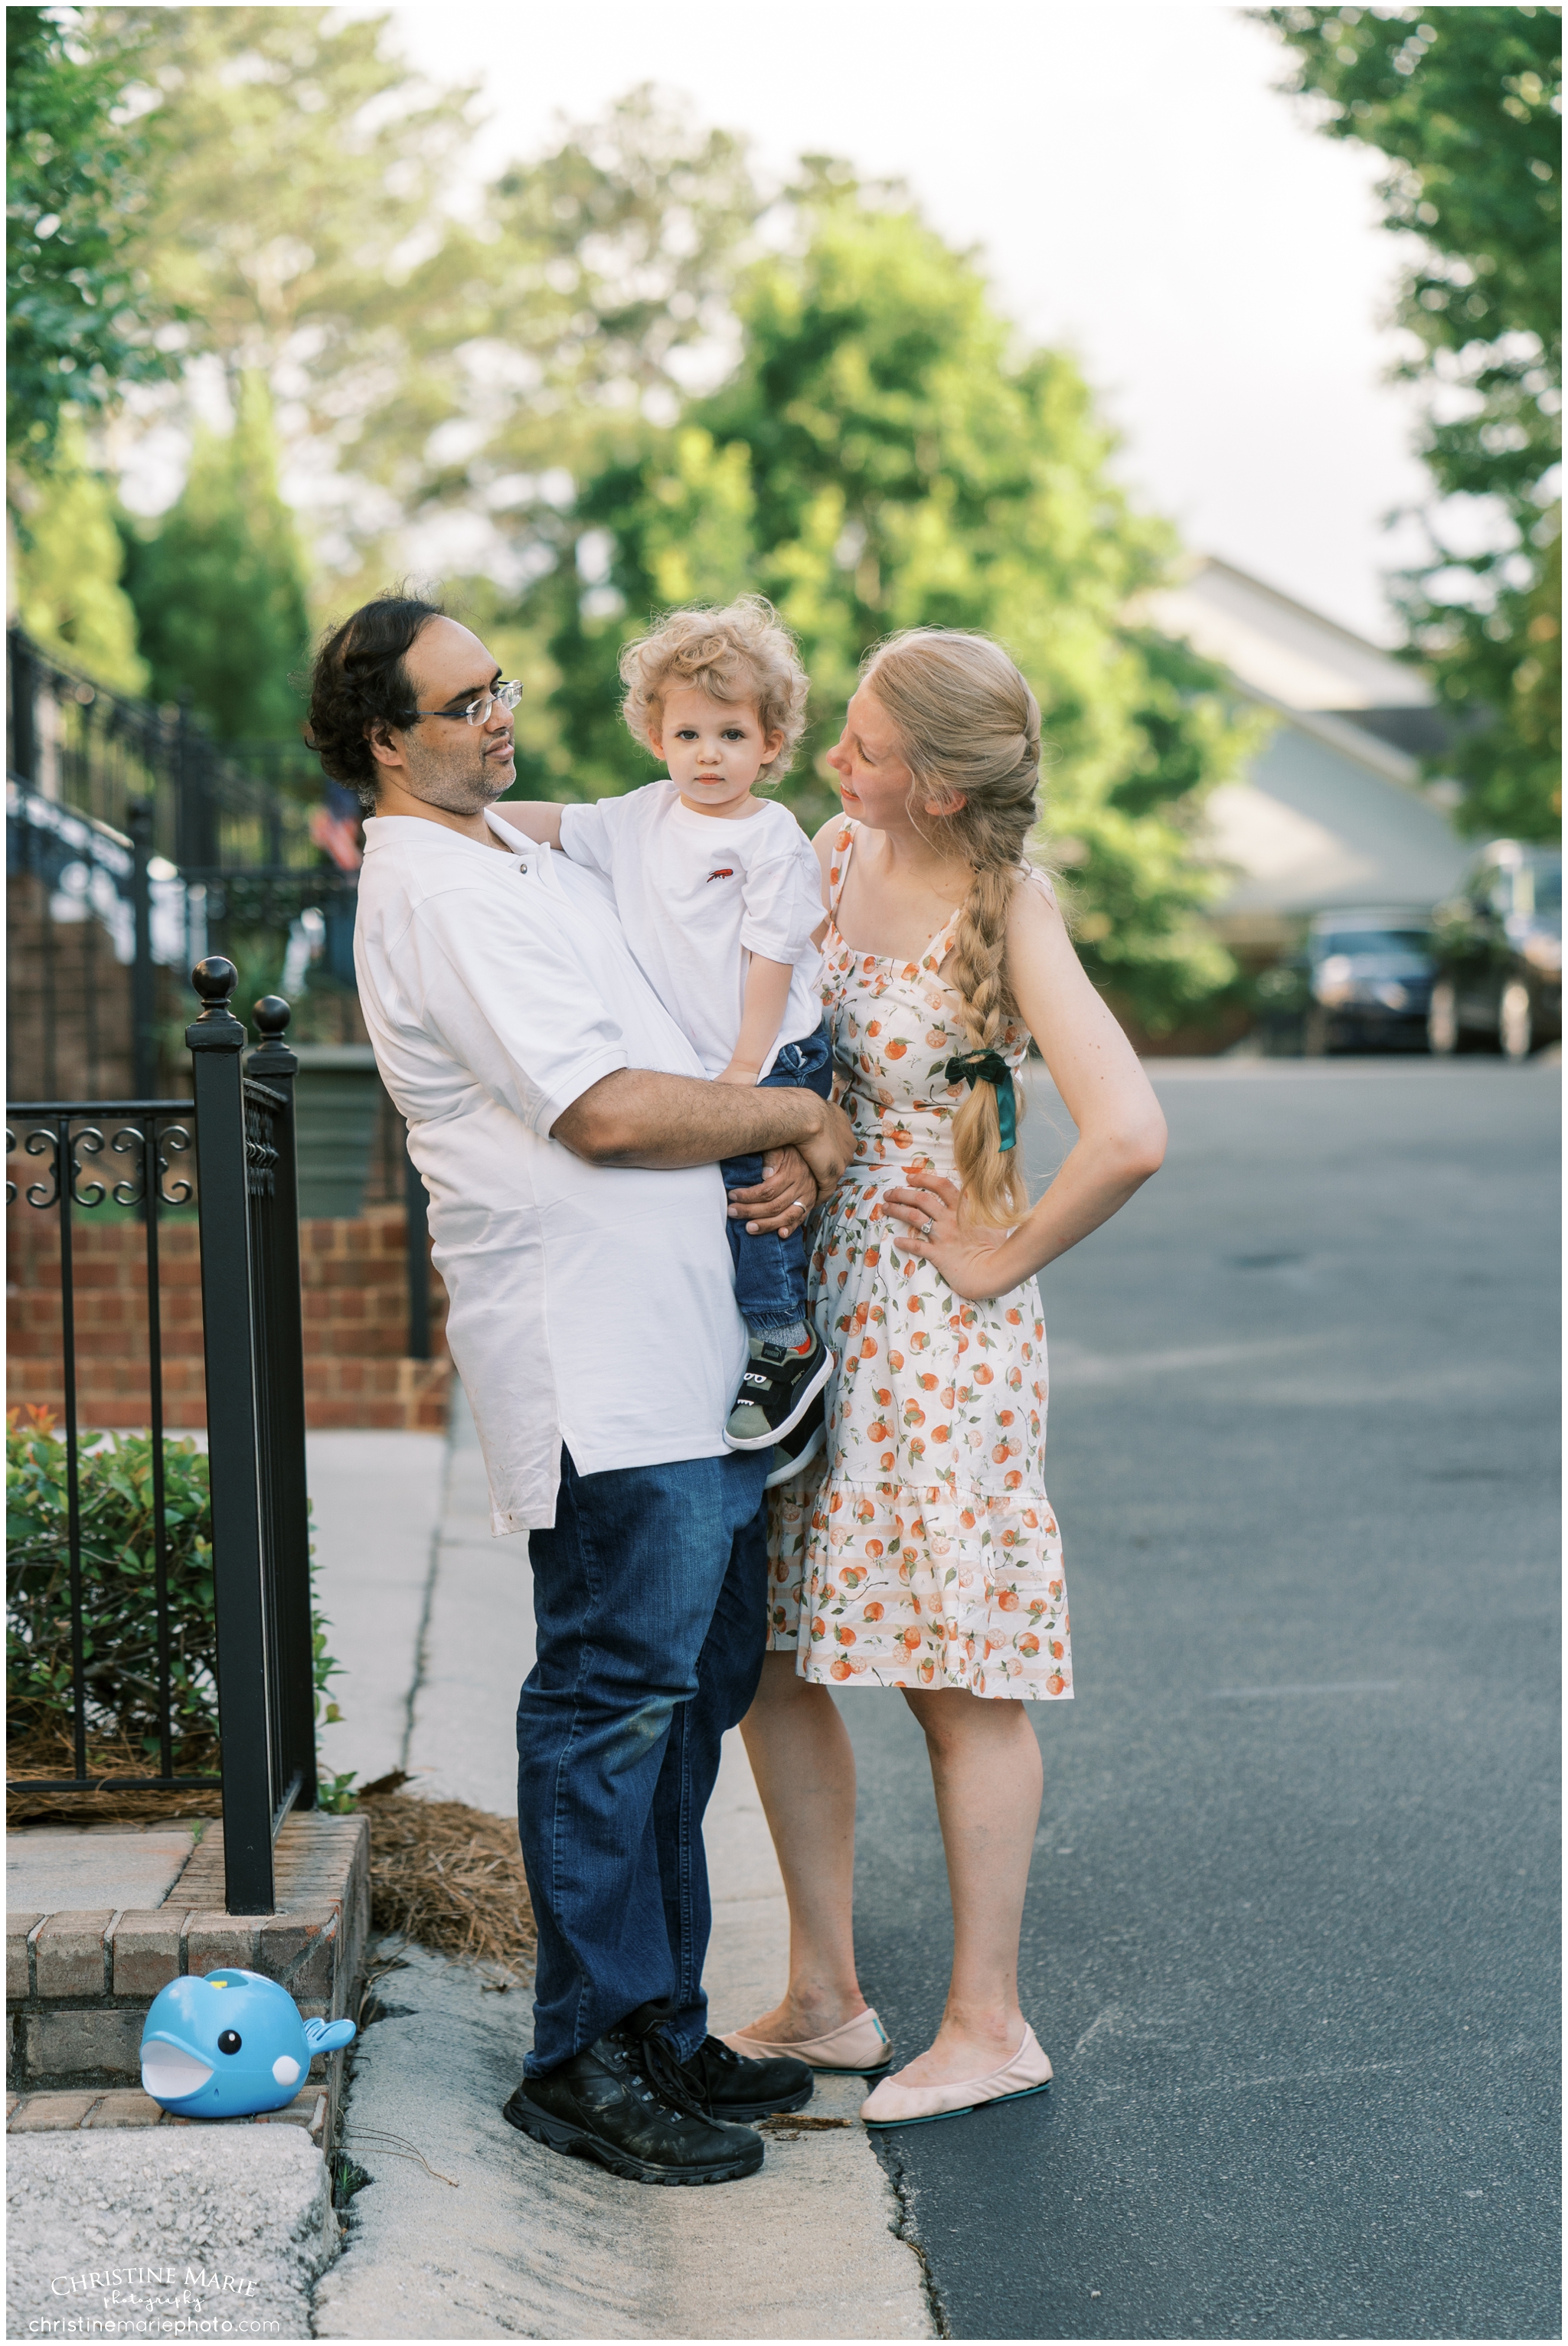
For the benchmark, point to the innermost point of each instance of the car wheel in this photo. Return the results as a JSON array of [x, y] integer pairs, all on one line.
[[1515, 1021], [1442, 1020]]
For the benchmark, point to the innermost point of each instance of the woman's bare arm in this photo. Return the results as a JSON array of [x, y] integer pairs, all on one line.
[[1121, 1131]]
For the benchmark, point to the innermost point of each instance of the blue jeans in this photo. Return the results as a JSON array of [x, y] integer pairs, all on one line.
[[650, 1601], [770, 1271]]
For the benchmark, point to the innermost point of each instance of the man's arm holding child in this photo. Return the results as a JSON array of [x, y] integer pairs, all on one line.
[[637, 1116]]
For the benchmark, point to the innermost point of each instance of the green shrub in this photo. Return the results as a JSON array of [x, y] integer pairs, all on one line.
[[119, 1613]]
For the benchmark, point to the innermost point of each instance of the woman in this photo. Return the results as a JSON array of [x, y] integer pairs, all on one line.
[[925, 1554]]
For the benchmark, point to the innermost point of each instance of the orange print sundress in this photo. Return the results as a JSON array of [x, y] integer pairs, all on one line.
[[922, 1549]]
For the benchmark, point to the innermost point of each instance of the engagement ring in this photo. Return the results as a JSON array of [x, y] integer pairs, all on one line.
[[930, 1226]]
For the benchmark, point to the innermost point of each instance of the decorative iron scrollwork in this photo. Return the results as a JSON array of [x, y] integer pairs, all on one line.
[[85, 1141], [173, 1140], [133, 1188], [260, 1153], [45, 1141]]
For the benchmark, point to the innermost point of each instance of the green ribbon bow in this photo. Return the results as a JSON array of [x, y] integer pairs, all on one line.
[[989, 1068]]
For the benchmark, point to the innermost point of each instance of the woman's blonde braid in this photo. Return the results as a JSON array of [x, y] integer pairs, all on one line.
[[970, 728]]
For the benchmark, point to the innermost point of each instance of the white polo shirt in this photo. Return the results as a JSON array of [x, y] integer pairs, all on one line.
[[592, 1305]]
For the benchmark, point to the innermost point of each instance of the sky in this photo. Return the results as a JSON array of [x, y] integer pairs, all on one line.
[[1139, 190]]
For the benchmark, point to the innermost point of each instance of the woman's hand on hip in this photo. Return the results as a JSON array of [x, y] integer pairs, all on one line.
[[782, 1198], [974, 1262]]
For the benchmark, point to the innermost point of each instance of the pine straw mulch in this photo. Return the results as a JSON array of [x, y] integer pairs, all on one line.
[[444, 1874], [46, 1753], [449, 1876]]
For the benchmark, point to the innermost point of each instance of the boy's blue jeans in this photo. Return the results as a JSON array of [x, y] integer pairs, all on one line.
[[770, 1271], [650, 1604]]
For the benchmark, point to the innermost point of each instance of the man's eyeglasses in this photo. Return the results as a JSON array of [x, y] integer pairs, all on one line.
[[478, 711]]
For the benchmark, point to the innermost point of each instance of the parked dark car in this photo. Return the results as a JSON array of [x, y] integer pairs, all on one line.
[[1499, 954], [1361, 981]]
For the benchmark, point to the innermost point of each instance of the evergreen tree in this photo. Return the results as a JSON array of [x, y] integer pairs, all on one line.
[[885, 457], [67, 569], [219, 584], [1465, 103]]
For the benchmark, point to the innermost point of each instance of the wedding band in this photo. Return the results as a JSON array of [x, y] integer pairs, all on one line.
[[930, 1226]]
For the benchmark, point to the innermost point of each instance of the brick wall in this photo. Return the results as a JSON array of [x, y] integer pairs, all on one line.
[[67, 1004], [355, 1300]]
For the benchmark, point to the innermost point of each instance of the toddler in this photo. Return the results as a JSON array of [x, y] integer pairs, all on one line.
[[720, 895]]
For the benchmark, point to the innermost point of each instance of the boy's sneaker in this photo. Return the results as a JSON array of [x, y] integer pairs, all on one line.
[[795, 1453], [778, 1389]]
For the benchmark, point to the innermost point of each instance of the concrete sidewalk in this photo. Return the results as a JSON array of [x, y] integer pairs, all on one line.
[[467, 2228]]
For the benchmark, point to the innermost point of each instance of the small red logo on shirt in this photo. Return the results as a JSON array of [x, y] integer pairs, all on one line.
[[725, 871]]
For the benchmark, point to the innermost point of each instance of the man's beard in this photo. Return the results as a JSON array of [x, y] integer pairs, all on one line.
[[459, 787]]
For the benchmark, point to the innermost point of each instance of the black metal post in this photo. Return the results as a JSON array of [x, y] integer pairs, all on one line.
[[416, 1218], [283, 1402], [22, 749], [195, 812], [215, 1041], [144, 982]]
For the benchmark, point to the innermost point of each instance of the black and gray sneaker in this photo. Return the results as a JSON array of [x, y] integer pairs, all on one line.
[[799, 1446], [733, 2089], [779, 1387], [630, 2108]]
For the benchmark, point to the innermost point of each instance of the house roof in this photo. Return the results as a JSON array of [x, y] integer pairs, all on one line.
[[1278, 650]]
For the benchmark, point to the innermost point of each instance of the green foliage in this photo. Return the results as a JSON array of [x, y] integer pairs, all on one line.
[[573, 308], [884, 457], [119, 1580], [115, 1479], [67, 570], [1465, 103], [218, 584], [299, 198], [77, 311]]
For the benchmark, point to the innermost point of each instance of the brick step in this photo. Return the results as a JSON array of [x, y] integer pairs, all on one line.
[[70, 2113], [78, 1983]]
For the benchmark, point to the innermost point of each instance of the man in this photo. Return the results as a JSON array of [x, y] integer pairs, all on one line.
[[569, 1144]]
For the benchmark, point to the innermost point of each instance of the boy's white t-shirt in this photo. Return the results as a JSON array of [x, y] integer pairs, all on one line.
[[696, 893]]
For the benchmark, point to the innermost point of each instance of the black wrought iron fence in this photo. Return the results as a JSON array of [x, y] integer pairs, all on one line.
[[255, 1425], [239, 1129], [215, 807], [83, 1158], [148, 844]]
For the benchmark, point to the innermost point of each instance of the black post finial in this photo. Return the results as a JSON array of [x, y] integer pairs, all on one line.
[[271, 1015], [215, 980], [216, 1029]]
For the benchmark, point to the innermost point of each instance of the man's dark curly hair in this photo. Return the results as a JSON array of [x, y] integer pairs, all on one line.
[[359, 678]]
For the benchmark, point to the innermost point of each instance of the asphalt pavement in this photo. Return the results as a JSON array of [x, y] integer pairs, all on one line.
[[1291, 1930]]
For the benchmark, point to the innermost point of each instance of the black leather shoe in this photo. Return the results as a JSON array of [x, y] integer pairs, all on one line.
[[734, 2088], [602, 2106]]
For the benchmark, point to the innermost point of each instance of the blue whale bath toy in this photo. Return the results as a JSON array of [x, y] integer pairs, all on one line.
[[229, 2044]]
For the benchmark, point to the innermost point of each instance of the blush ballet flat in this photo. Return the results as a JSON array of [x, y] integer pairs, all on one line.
[[858, 2049], [892, 2105]]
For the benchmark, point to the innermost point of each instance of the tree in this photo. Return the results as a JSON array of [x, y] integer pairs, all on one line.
[[305, 172], [68, 592], [594, 291], [1465, 103], [218, 586], [884, 456], [76, 200]]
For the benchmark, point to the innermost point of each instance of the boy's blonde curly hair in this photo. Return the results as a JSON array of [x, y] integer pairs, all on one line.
[[740, 653]]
